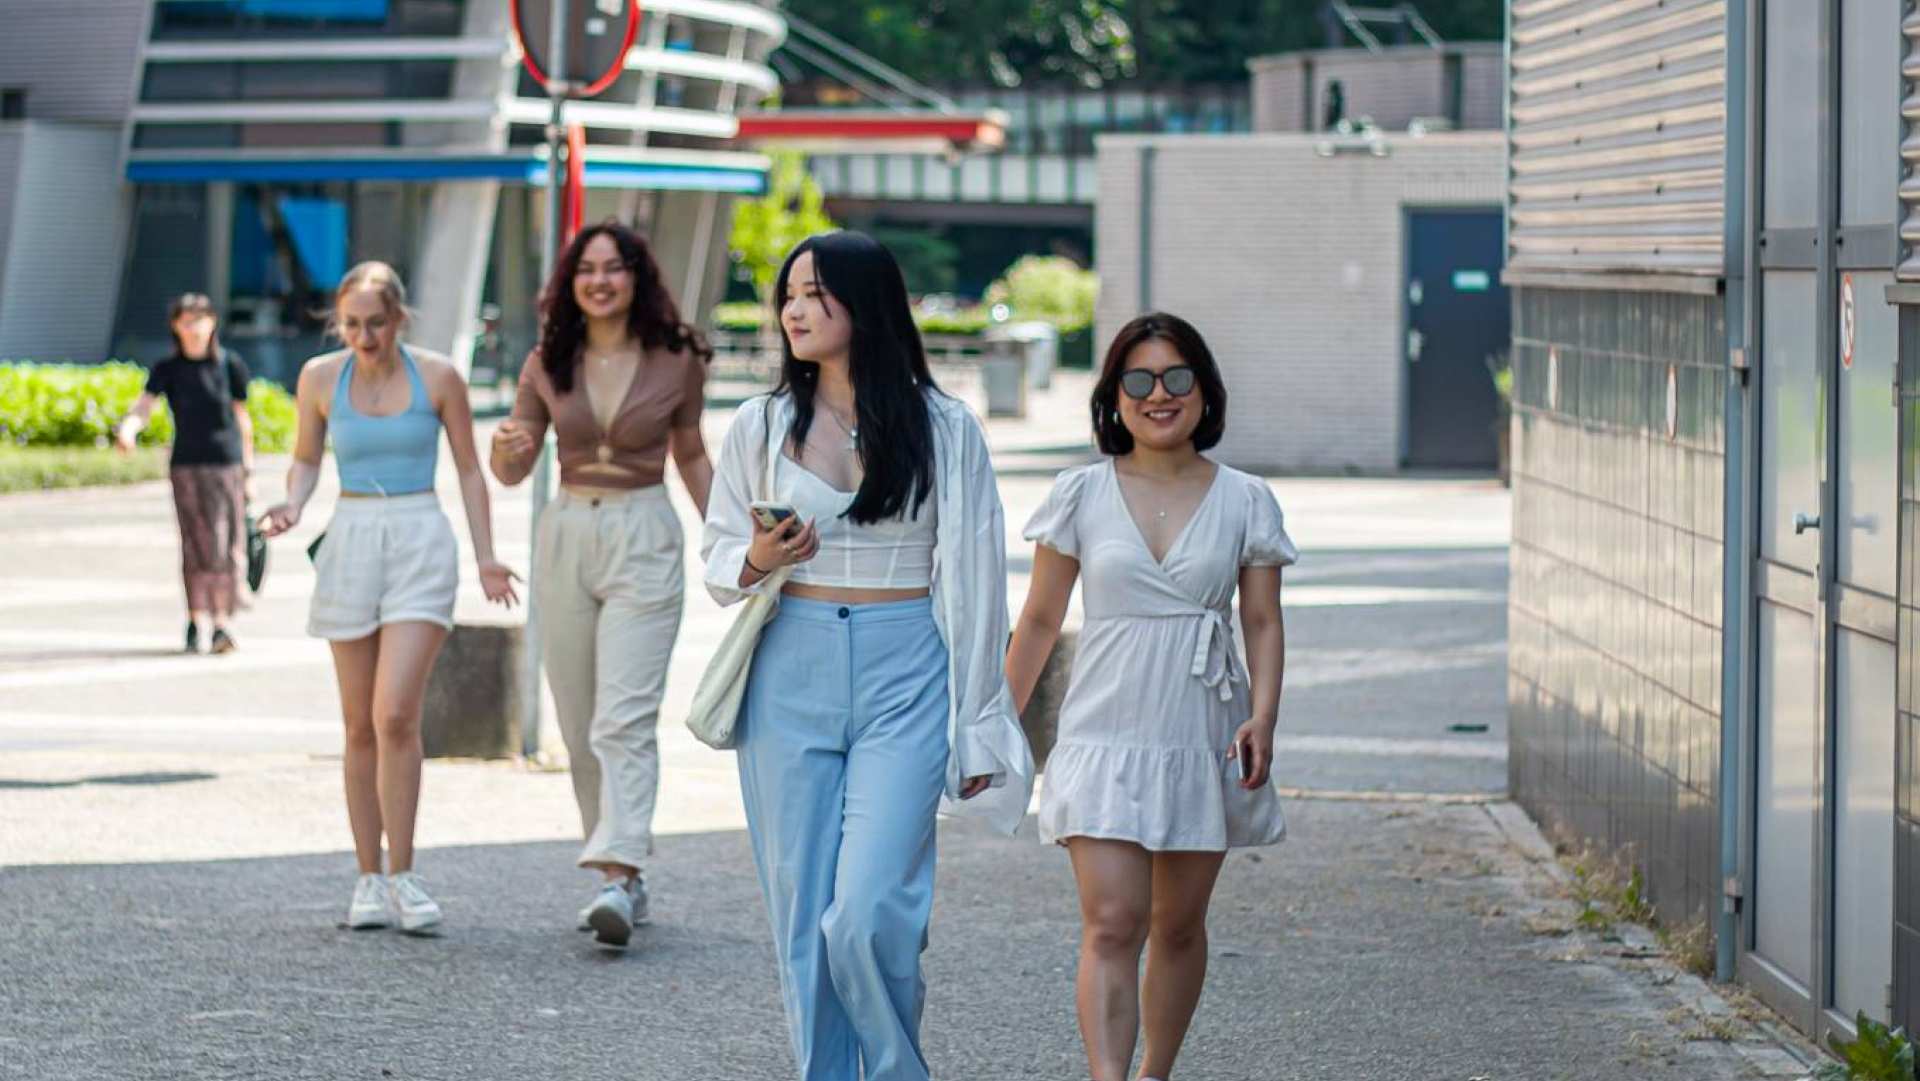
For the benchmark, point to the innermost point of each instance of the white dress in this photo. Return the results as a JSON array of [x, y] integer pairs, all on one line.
[[1158, 687]]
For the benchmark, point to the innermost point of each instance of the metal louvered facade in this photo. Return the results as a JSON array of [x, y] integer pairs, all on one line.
[[1617, 115], [1909, 268]]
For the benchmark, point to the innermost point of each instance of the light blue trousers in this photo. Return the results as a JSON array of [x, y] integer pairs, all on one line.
[[843, 753]]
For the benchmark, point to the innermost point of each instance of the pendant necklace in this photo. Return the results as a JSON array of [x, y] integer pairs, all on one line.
[[852, 430]]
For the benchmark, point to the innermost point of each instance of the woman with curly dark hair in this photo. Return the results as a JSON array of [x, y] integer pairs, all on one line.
[[620, 379]]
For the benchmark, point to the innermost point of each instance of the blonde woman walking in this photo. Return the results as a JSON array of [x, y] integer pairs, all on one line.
[[387, 566]]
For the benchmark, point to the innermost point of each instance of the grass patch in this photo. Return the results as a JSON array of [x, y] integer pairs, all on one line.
[[39, 469]]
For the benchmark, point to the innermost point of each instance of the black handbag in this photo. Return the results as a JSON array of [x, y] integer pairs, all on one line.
[[256, 554], [256, 541]]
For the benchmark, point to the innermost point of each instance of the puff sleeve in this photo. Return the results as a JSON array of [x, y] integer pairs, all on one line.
[[1266, 543], [1055, 523]]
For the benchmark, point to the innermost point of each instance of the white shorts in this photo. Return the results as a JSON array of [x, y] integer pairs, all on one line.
[[384, 561]]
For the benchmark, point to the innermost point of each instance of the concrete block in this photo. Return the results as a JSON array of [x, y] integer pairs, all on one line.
[[476, 694], [1041, 720]]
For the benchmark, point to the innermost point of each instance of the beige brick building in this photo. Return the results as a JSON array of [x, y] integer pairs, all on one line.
[[1289, 253]]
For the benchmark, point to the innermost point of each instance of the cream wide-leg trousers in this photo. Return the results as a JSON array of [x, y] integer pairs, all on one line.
[[610, 577]]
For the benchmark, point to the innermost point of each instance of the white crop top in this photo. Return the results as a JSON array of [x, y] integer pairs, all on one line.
[[896, 554]]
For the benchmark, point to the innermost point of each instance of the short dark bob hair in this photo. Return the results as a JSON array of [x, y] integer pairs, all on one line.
[[1108, 430]]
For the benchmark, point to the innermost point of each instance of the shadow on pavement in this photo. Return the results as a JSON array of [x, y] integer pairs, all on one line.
[[1378, 942], [133, 779]]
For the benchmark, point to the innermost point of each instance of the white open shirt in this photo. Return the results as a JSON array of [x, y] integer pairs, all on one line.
[[969, 588]]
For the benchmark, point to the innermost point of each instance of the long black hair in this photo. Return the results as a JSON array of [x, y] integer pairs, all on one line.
[[653, 320], [1108, 429], [888, 366]]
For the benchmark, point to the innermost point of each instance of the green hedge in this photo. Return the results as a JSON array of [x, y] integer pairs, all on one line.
[[746, 318], [77, 405]]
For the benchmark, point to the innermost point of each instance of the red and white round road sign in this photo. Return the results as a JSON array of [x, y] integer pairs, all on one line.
[[600, 34], [1846, 320]]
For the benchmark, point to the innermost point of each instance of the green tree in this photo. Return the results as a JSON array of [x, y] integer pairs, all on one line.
[[767, 228], [1093, 42]]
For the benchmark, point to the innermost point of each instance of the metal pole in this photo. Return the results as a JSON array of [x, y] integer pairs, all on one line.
[[1737, 554], [549, 257]]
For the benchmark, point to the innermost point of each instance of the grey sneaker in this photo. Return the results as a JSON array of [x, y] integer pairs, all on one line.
[[639, 891], [419, 912], [611, 915], [372, 904]]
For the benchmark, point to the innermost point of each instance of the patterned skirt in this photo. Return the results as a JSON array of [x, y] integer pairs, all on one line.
[[211, 501]]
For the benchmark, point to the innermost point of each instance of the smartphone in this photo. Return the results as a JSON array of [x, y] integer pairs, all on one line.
[[1243, 754], [770, 515]]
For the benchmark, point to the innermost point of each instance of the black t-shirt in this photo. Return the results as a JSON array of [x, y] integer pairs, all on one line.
[[204, 429]]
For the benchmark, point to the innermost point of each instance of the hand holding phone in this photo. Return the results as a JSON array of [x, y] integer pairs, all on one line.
[[780, 539], [1252, 752], [770, 515]]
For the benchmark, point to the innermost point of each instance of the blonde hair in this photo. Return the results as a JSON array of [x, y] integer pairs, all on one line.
[[379, 277]]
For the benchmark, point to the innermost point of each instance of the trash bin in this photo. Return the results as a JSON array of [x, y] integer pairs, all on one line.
[[1003, 368], [1042, 341]]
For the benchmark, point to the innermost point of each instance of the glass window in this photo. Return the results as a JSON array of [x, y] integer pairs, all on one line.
[[340, 18], [315, 80]]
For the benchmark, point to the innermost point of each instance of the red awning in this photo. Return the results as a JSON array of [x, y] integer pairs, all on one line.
[[845, 131]]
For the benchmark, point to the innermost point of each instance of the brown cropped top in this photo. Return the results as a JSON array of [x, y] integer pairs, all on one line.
[[666, 393]]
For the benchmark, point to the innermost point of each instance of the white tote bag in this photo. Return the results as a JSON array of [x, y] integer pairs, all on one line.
[[717, 701]]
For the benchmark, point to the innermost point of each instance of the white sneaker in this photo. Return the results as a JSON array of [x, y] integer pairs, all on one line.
[[372, 904], [419, 913], [611, 915]]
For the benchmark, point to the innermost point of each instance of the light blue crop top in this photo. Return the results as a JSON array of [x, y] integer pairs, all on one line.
[[390, 455]]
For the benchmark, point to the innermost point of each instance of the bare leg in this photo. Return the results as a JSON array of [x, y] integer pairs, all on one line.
[[1176, 952], [353, 667], [407, 652], [1116, 899]]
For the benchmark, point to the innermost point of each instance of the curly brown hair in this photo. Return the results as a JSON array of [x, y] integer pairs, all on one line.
[[653, 321]]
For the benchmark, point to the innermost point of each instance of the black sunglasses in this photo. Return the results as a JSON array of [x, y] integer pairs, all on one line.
[[1138, 382]]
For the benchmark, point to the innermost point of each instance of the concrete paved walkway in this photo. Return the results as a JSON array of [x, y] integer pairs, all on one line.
[[173, 852]]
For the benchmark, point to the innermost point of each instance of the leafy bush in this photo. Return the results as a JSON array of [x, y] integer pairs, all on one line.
[[1048, 287], [971, 321], [274, 415], [77, 405], [747, 317], [740, 317]]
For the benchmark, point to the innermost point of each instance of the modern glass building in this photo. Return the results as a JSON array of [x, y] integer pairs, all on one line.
[[254, 149]]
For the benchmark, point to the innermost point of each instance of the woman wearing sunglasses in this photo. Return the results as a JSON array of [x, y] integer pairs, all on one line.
[[1165, 736]]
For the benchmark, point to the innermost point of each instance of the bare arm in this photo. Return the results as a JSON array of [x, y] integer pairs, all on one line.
[[309, 444], [1038, 628], [456, 416], [690, 458], [134, 422], [518, 439], [1266, 636], [244, 421]]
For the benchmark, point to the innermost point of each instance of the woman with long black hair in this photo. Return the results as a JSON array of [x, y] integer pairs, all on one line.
[[878, 685], [205, 385], [621, 381]]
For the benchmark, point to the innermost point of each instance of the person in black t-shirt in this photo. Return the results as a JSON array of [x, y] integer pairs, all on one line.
[[206, 388]]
